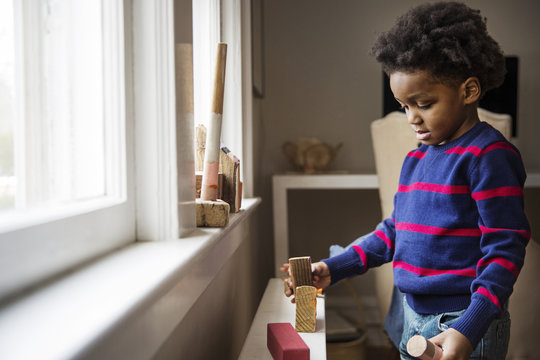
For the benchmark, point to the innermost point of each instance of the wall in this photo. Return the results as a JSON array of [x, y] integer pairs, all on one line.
[[321, 82]]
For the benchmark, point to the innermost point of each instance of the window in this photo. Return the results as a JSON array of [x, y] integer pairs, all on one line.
[[64, 176], [84, 72], [7, 105], [219, 21]]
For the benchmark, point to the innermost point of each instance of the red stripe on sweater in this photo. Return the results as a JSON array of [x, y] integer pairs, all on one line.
[[438, 188], [434, 230], [489, 295], [416, 154], [362, 254], [508, 265], [498, 192], [385, 238], [477, 151], [433, 272], [460, 150], [498, 145], [525, 234]]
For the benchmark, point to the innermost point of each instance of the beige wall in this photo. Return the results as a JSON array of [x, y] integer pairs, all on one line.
[[321, 82]]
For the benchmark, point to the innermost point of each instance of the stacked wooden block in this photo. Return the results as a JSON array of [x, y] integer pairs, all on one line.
[[305, 294], [230, 186]]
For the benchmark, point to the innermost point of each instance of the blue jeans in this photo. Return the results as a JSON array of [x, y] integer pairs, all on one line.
[[493, 346]]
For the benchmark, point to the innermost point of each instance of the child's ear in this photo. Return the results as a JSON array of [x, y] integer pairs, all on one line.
[[473, 90]]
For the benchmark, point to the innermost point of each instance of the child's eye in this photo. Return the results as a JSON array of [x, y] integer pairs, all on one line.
[[424, 107], [404, 108]]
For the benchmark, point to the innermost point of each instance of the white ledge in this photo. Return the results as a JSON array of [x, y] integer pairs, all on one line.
[[115, 299]]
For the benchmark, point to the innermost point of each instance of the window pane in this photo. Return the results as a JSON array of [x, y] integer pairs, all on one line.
[[72, 99], [7, 101], [58, 121]]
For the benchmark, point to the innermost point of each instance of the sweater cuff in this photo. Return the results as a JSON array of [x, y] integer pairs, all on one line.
[[344, 265], [476, 320]]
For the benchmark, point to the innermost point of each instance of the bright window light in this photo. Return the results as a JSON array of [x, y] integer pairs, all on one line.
[[7, 105]]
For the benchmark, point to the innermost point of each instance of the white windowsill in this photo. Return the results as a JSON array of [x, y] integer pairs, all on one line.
[[70, 316]]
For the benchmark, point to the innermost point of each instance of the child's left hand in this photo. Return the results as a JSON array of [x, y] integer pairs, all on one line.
[[455, 345]]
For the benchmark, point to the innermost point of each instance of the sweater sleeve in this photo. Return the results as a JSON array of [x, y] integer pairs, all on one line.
[[376, 249], [497, 181]]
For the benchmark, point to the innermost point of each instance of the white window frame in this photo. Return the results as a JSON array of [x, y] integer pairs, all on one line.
[[38, 243], [155, 116]]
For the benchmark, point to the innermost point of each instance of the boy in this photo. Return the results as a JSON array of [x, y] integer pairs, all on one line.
[[458, 232]]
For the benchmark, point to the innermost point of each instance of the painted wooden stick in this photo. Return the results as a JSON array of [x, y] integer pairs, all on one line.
[[420, 347], [209, 187]]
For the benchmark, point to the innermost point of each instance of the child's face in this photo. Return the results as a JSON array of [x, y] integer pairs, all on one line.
[[437, 112]]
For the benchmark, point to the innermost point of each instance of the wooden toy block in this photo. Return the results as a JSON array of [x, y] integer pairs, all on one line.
[[212, 213], [420, 347], [229, 165], [300, 269], [229, 170], [284, 342], [306, 309]]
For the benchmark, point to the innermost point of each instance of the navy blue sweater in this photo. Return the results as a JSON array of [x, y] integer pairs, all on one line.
[[458, 231]]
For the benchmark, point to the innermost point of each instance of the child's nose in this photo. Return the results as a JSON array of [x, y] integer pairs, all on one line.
[[413, 117]]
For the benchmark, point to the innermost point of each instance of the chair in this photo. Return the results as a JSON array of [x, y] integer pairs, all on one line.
[[392, 139]]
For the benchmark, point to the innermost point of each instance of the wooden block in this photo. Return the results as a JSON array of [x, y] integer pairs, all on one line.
[[229, 169], [212, 213], [229, 165], [306, 308], [284, 343], [300, 268], [200, 144], [420, 347]]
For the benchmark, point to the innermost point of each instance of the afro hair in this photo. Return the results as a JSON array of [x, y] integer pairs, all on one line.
[[447, 39]]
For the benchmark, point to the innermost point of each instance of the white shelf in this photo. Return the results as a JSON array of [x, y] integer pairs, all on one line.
[[282, 183], [275, 307]]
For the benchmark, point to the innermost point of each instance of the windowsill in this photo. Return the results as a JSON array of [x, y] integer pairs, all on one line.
[[70, 316]]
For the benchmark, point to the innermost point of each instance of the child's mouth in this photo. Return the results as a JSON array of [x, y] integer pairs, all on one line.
[[422, 135]]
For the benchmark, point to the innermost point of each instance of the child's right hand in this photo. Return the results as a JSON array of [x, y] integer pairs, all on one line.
[[320, 274]]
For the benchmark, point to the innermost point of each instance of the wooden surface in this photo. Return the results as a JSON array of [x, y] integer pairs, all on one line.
[[300, 269], [275, 307], [219, 79], [212, 213]]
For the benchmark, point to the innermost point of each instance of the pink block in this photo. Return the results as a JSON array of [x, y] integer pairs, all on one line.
[[284, 342]]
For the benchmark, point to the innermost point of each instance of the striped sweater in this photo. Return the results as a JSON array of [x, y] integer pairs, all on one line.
[[458, 231]]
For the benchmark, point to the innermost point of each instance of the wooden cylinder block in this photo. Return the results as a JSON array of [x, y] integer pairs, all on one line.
[[420, 347]]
